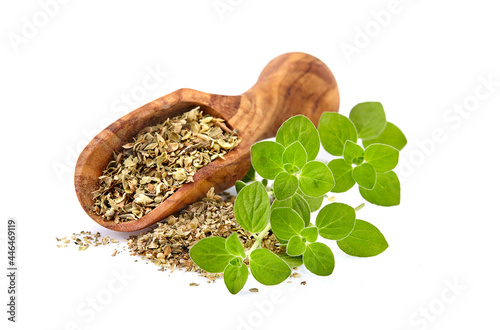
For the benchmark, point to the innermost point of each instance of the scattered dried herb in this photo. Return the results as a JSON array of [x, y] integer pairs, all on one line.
[[84, 239], [169, 243], [158, 161]]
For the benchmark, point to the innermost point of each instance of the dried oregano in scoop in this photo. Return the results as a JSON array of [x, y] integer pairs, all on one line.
[[158, 161]]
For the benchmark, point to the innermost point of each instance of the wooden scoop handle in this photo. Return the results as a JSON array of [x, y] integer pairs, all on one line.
[[291, 84]]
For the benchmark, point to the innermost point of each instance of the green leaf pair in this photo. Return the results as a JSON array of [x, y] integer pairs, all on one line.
[[290, 160], [355, 237], [372, 126], [216, 255]]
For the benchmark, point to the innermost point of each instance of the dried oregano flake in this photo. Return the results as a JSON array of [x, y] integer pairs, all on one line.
[[84, 239], [158, 161]]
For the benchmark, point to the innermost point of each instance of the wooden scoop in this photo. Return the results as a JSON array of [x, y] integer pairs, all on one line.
[[291, 84]]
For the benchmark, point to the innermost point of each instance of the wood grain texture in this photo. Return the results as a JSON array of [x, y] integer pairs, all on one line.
[[291, 84]]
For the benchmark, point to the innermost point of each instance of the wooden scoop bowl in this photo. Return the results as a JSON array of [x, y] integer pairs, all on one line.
[[291, 84]]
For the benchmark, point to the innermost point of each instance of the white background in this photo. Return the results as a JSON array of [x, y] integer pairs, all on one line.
[[63, 82]]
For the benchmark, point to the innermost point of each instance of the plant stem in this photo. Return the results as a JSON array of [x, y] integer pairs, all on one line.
[[359, 207], [259, 238]]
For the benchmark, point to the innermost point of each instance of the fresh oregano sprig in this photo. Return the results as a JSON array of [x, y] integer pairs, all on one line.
[[300, 185], [370, 167]]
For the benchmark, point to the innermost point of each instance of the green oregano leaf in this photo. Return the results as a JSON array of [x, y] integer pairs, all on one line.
[[295, 154], [267, 158], [319, 259], [285, 185], [252, 208], [210, 254], [310, 234], [316, 179], [234, 246], [284, 203], [387, 190], [364, 241], [299, 128], [250, 176], [235, 275], [369, 119], [382, 157], [292, 261], [267, 268], [239, 185], [342, 173], [296, 246], [334, 129], [298, 203], [391, 135], [314, 202], [336, 221], [353, 153], [365, 175], [286, 223]]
